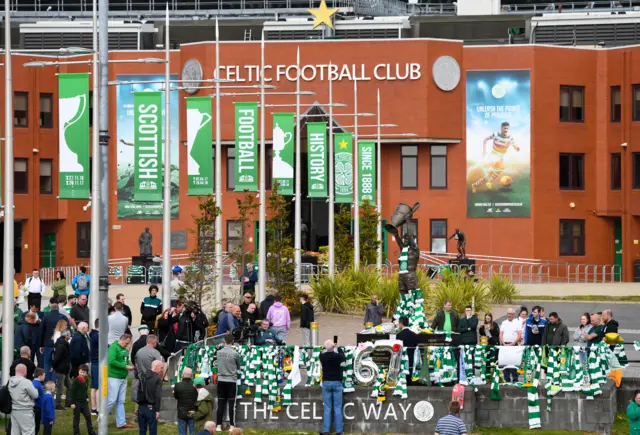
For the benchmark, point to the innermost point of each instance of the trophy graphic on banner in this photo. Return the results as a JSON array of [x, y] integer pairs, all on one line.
[[71, 111], [196, 120], [281, 140]]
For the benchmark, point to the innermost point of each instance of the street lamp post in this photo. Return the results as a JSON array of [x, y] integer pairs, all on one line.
[[166, 206]]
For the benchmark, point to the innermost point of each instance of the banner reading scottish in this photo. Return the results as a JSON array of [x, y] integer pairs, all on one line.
[[498, 143], [283, 124], [343, 167], [367, 162], [73, 133], [147, 113], [317, 159], [127, 208], [199, 146], [246, 147]]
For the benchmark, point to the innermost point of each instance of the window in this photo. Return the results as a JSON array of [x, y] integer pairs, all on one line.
[[206, 239], [616, 105], [268, 169], [46, 111], [83, 240], [572, 237], [438, 166], [616, 171], [636, 170], [438, 235], [20, 109], [234, 236], [20, 176], [636, 103], [572, 103], [231, 168], [572, 171], [90, 108], [409, 166], [46, 176]]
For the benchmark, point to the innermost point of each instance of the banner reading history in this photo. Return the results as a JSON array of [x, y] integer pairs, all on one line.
[[73, 133], [127, 208], [343, 167], [367, 167], [498, 143], [317, 159], [246, 116], [283, 144], [199, 146], [147, 122]]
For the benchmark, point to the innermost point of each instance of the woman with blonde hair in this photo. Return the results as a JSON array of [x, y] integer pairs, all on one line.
[[62, 325]]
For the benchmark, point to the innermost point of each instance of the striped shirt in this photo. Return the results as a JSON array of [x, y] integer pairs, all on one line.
[[451, 425], [501, 143]]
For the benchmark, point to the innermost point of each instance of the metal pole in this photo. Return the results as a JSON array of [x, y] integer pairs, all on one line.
[[297, 242], [262, 242], [356, 183], [218, 177], [166, 206], [331, 259], [103, 221], [379, 190], [7, 288], [94, 271]]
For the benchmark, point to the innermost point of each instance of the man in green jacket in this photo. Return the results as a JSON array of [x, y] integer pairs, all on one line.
[[446, 319], [119, 368]]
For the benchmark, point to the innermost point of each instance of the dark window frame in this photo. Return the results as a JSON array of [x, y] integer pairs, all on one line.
[[46, 123], [83, 246], [580, 249], [570, 116], [26, 111], [432, 161], [231, 168], [209, 239], [227, 238], [413, 157], [16, 188], [616, 109], [616, 171], [50, 190], [432, 237], [572, 157], [636, 170]]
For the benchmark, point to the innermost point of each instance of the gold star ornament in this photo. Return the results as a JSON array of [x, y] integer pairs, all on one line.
[[323, 15], [343, 144]]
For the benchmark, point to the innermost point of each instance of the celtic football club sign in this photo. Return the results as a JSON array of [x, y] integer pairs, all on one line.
[[343, 145], [317, 159], [367, 162], [147, 112], [246, 147]]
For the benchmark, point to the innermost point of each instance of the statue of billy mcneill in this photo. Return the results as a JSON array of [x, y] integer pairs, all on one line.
[[144, 243]]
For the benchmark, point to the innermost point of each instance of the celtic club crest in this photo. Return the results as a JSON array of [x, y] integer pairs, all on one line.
[[344, 174]]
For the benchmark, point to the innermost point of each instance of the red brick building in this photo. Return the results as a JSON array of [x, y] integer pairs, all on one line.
[[600, 203]]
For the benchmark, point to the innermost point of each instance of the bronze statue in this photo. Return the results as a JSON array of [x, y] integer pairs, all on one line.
[[462, 242], [144, 243]]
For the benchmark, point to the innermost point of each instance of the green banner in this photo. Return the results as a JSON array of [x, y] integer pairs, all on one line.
[[199, 146], [367, 165], [343, 165], [246, 147], [73, 132], [317, 159], [283, 142], [147, 112]]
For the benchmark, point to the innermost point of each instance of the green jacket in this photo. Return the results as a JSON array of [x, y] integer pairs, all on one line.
[[78, 391], [633, 413], [203, 411], [118, 361], [59, 287]]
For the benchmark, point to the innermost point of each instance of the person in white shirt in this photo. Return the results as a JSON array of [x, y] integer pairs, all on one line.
[[35, 288], [176, 283], [509, 333]]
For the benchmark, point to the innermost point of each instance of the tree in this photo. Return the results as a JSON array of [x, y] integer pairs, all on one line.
[[369, 242], [280, 252], [343, 249], [247, 207], [200, 278]]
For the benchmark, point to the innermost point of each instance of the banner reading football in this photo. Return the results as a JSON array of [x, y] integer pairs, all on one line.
[[498, 144], [283, 124], [73, 133], [367, 162], [317, 159], [246, 147], [147, 122], [199, 146], [126, 132], [343, 144]]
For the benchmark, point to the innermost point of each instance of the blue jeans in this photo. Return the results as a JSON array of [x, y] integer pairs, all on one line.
[[332, 399], [48, 359], [182, 426], [147, 417], [116, 396], [510, 375]]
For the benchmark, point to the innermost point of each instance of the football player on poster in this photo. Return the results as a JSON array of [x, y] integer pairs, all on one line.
[[502, 141]]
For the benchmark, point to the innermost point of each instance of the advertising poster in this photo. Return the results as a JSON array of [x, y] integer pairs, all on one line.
[[498, 143], [367, 162], [127, 208], [147, 179]]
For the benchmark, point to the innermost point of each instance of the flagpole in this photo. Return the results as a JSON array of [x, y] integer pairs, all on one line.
[[356, 183], [262, 243], [331, 248], [379, 190], [166, 207], [298, 198], [94, 265], [218, 247]]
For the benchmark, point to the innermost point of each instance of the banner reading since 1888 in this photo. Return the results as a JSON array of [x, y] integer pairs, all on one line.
[[498, 144], [246, 147], [343, 145], [367, 162], [73, 132], [317, 159], [199, 149], [147, 112], [283, 124]]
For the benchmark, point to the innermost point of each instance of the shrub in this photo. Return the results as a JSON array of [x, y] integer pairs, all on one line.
[[502, 290], [365, 284], [333, 295], [459, 289], [388, 294]]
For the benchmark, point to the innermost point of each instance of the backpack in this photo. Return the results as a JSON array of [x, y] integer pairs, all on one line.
[[5, 400], [83, 282]]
